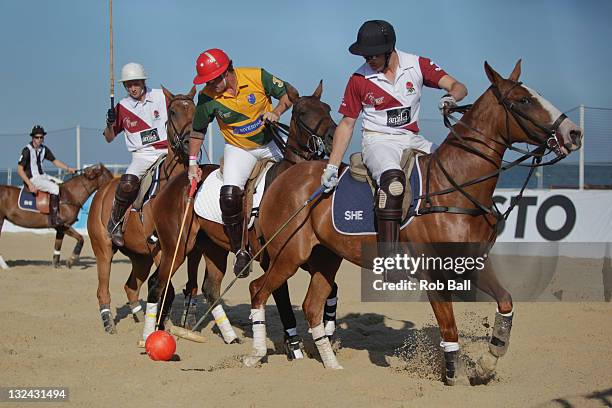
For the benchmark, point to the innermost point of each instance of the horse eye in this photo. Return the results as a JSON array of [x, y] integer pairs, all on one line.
[[525, 100]]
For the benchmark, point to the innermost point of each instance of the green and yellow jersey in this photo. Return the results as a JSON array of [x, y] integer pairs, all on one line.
[[239, 116]]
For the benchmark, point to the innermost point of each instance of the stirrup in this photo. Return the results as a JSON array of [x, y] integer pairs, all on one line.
[[243, 257]]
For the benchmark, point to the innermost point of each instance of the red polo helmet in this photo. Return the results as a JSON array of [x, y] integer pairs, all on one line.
[[210, 64]]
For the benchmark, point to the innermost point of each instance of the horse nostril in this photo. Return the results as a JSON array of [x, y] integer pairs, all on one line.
[[575, 135]]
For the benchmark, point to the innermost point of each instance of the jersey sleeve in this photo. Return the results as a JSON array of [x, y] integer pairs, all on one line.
[[203, 113], [119, 115], [24, 159], [272, 85], [432, 73], [49, 154], [351, 102]]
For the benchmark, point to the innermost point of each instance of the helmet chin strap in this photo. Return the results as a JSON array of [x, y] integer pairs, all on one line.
[[387, 59]]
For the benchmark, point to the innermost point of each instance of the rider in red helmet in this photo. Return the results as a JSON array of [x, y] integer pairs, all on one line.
[[386, 90], [240, 100]]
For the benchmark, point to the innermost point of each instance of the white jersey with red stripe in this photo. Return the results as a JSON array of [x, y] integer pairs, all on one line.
[[143, 122], [390, 107]]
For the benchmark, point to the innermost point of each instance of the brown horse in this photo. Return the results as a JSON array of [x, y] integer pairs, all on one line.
[[310, 125], [73, 194], [139, 226], [506, 113]]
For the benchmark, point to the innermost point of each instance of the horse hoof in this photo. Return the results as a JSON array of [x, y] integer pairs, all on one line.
[[485, 367], [235, 341], [138, 316], [110, 329], [252, 360], [70, 262]]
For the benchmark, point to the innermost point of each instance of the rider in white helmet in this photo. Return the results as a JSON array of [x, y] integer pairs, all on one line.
[[142, 117]]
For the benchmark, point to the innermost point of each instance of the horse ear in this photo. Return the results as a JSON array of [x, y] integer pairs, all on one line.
[[292, 93], [317, 93], [192, 93], [493, 76], [516, 72], [167, 93]]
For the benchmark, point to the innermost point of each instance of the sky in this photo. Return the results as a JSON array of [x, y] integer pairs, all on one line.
[[54, 68]]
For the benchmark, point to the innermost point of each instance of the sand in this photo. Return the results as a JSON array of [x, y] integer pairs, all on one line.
[[560, 353]]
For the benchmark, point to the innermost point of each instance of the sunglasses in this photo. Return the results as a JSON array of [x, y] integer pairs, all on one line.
[[38, 137], [370, 57]]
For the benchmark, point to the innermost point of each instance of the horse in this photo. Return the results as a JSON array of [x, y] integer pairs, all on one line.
[[73, 194], [139, 226], [310, 126], [457, 207]]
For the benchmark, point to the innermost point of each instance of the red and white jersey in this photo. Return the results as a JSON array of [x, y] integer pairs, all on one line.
[[144, 123], [391, 108]]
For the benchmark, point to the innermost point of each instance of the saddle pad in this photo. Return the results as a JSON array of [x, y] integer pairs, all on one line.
[[353, 203], [149, 185], [27, 200], [206, 204]]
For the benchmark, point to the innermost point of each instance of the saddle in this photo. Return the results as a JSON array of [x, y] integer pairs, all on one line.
[[359, 172], [30, 202], [146, 181]]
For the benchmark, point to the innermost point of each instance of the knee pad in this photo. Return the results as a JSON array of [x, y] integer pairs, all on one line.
[[127, 190], [390, 195], [230, 201]]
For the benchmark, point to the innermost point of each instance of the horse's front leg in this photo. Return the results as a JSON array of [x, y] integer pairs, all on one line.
[[57, 248], [76, 252]]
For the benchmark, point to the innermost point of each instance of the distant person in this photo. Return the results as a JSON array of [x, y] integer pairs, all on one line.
[[142, 117], [241, 101], [31, 172], [386, 89]]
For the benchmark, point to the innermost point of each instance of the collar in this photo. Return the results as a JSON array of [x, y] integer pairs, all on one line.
[[240, 84], [402, 66], [148, 98], [37, 148]]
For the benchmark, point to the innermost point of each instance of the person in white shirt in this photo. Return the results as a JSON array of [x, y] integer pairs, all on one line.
[[386, 89], [142, 117]]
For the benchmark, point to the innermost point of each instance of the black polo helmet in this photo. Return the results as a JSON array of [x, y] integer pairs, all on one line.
[[38, 130], [375, 37]]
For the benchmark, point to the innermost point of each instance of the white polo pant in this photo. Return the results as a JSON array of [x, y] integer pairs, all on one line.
[[382, 151], [44, 183], [238, 162], [142, 160]]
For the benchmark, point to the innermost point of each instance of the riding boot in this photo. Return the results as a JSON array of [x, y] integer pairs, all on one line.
[[230, 201], [126, 193], [54, 217], [389, 212]]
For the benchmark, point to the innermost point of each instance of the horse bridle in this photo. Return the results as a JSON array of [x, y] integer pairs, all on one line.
[[548, 142], [314, 148], [177, 141]]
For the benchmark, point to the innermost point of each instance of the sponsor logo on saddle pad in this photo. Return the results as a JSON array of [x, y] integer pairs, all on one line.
[[398, 117]]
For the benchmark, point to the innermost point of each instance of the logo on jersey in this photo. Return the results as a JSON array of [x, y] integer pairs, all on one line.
[[277, 82], [370, 100], [251, 99], [436, 67], [129, 124], [398, 117], [410, 88], [155, 114]]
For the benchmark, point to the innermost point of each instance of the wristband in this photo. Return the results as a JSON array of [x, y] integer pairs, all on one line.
[[193, 162], [193, 157]]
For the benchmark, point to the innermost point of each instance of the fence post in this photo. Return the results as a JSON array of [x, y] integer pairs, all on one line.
[[9, 176], [581, 164], [78, 146]]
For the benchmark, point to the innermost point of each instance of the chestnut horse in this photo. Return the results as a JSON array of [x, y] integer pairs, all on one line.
[[139, 226], [73, 194], [311, 124], [462, 174]]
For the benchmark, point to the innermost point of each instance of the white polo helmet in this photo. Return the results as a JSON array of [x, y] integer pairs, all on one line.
[[132, 71]]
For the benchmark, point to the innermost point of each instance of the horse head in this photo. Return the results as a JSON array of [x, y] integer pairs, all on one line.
[[312, 127], [181, 109], [98, 173], [531, 118]]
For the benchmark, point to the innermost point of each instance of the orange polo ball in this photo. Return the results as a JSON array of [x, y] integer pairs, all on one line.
[[160, 346]]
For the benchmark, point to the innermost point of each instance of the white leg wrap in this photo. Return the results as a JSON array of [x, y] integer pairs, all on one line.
[[136, 309], [325, 349], [506, 314], [330, 327], [3, 264], [259, 351], [223, 323], [56, 252], [449, 346], [150, 320]]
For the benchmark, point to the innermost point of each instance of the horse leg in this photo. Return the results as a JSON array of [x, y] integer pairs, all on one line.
[[329, 317], [3, 264], [104, 255], [500, 338], [57, 248], [216, 264], [188, 317], [76, 252], [443, 310], [141, 266], [323, 267], [293, 343]]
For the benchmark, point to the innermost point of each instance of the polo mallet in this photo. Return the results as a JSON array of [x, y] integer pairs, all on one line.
[[112, 70], [192, 190], [190, 334]]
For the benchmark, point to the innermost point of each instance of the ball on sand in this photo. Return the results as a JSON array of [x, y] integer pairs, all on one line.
[[160, 346]]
